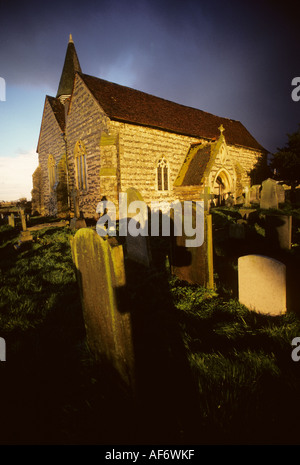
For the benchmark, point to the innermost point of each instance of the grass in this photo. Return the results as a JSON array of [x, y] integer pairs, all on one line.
[[246, 383]]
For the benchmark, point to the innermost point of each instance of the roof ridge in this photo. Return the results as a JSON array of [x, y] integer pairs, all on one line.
[[157, 97]]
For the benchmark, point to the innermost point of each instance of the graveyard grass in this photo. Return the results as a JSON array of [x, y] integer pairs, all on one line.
[[53, 392]]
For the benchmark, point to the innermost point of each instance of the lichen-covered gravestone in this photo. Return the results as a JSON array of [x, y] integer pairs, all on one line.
[[100, 271], [262, 284]]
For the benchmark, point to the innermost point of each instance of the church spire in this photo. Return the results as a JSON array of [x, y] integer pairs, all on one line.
[[71, 66]]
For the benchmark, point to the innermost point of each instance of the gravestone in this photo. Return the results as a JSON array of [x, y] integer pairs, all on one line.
[[268, 198], [255, 193], [279, 231], [100, 272], [280, 193], [194, 264], [262, 284], [77, 221], [137, 247], [23, 220], [11, 220], [237, 230], [25, 235], [247, 196]]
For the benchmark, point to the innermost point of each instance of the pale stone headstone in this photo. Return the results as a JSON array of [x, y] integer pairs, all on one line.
[[262, 284], [137, 247], [194, 264], [268, 198], [279, 231], [100, 272]]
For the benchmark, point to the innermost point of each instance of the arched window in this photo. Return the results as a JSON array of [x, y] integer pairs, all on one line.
[[162, 175], [51, 172], [80, 165]]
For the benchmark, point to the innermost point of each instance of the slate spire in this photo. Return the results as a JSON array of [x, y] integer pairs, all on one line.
[[71, 66]]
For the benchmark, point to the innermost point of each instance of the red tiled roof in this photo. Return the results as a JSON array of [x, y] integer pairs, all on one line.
[[133, 106]]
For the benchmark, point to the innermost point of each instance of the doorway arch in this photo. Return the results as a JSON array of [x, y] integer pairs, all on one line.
[[222, 186]]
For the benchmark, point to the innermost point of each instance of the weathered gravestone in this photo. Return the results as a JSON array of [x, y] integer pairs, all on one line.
[[78, 221], [268, 197], [262, 284], [11, 220], [255, 193], [280, 193], [100, 272], [194, 264], [279, 231], [137, 246], [25, 234]]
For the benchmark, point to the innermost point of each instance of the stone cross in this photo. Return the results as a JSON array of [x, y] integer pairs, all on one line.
[[206, 196]]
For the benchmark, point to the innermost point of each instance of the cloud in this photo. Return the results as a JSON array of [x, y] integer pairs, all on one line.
[[16, 175]]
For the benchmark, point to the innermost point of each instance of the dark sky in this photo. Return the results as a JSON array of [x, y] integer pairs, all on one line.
[[234, 59]]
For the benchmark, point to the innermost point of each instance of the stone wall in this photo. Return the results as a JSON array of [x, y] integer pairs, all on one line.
[[51, 142], [86, 121]]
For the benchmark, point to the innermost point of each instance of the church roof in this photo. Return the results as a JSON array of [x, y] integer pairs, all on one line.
[[133, 106], [58, 111], [71, 66]]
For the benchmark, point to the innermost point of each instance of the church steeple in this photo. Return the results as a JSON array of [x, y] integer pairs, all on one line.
[[71, 66]]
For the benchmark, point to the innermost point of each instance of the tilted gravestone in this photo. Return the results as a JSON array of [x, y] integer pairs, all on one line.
[[25, 234], [100, 272], [262, 284], [137, 246], [194, 264], [268, 197], [279, 231]]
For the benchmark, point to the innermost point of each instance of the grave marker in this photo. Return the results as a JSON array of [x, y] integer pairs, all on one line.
[[268, 198], [279, 231], [262, 284], [194, 264], [137, 247], [100, 271]]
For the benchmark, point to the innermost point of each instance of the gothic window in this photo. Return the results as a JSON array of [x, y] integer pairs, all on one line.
[[162, 175], [51, 172], [80, 166]]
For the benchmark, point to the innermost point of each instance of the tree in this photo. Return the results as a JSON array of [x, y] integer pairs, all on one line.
[[286, 161]]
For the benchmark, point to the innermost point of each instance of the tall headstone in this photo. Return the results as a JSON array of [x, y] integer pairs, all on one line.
[[194, 264], [77, 222], [100, 272], [262, 284], [280, 193], [268, 198], [279, 231], [23, 220], [137, 247]]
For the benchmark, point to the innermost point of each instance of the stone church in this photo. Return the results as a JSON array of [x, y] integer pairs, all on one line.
[[98, 138]]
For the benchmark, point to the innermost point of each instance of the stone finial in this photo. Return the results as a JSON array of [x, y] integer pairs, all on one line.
[[71, 39], [221, 129]]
